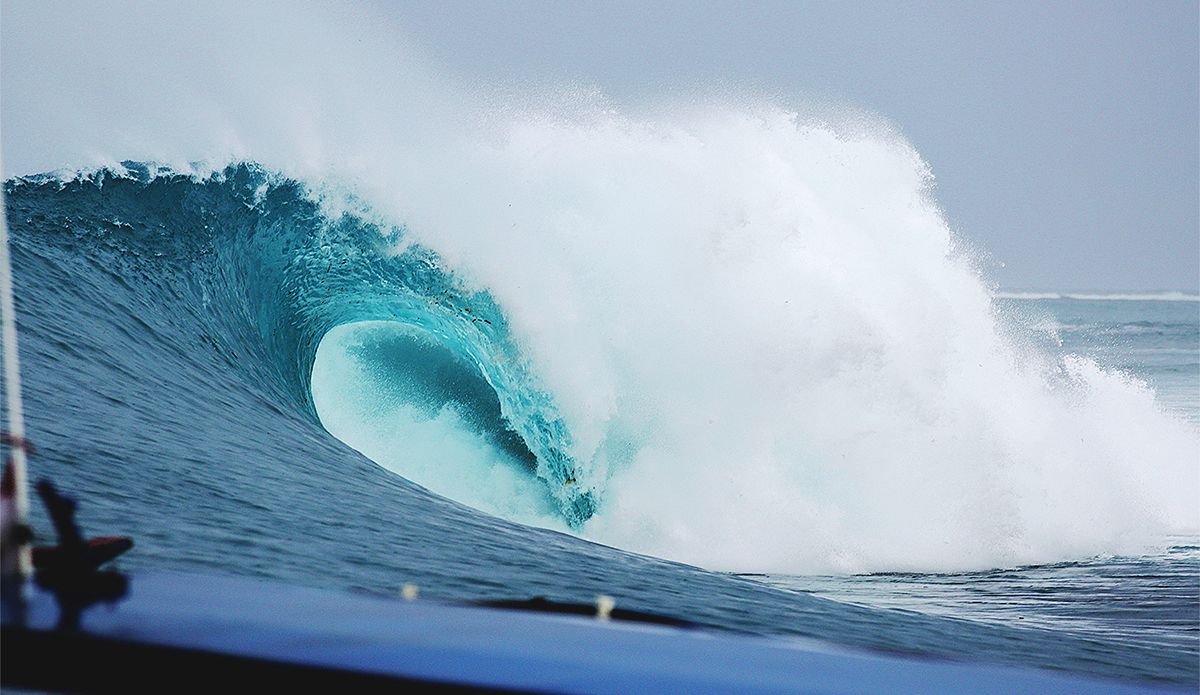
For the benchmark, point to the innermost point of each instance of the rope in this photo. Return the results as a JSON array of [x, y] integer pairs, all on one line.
[[12, 383]]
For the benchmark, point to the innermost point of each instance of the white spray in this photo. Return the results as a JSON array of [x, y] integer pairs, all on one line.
[[776, 357]]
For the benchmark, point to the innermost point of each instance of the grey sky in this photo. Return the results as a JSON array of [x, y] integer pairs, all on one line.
[[1064, 136]]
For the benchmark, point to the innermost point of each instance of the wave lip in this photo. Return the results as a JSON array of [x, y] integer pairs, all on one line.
[[265, 268]]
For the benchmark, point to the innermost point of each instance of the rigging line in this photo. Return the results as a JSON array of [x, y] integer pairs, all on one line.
[[12, 383]]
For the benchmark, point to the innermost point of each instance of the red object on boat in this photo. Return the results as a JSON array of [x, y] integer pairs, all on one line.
[[96, 551]]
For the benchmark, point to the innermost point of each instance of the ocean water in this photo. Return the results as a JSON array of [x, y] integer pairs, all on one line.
[[739, 372]]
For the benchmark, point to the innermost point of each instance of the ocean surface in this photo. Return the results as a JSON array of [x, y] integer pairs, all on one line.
[[783, 406]]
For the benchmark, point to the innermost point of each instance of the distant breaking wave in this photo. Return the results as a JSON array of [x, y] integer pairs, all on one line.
[[1167, 296]]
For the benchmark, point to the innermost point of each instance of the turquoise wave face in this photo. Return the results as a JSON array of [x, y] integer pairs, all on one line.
[[261, 272]]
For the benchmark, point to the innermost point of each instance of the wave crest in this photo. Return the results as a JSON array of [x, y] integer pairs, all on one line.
[[265, 271]]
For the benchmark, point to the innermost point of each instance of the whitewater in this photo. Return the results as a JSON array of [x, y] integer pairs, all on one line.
[[510, 342], [769, 352]]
